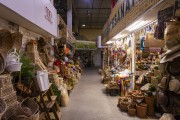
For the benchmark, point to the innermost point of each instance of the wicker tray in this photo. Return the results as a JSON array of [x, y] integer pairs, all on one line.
[[6, 90], [5, 80]]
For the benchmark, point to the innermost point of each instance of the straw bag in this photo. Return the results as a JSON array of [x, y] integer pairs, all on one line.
[[152, 42], [172, 36]]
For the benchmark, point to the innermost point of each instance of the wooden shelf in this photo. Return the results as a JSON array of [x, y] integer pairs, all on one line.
[[53, 98], [49, 104], [42, 116], [58, 113]]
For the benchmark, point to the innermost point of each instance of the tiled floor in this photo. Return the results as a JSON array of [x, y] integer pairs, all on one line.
[[89, 102]]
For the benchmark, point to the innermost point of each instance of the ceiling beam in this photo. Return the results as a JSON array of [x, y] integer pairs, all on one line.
[[74, 8], [91, 27], [100, 11], [91, 13], [93, 8]]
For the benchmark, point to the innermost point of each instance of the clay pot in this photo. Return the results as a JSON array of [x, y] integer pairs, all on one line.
[[141, 110], [150, 105]]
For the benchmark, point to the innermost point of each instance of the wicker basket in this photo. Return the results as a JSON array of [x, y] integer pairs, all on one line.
[[17, 37], [23, 117], [8, 114], [139, 98], [2, 63], [28, 108], [10, 99], [3, 107], [125, 102], [14, 67], [131, 111], [6, 90], [5, 80], [123, 107], [141, 110], [6, 41]]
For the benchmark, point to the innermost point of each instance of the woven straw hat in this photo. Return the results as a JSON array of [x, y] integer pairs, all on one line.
[[6, 41], [174, 85]]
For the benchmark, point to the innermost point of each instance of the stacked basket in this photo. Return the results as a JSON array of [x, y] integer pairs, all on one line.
[[7, 92]]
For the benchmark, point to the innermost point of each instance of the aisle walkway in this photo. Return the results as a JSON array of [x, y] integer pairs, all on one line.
[[88, 101]]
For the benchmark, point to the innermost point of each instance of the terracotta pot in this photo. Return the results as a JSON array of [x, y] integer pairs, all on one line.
[[141, 110], [150, 105]]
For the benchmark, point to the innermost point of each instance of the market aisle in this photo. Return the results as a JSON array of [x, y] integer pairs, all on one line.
[[88, 101]]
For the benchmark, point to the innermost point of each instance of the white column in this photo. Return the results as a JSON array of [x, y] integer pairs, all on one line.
[[69, 15], [133, 43]]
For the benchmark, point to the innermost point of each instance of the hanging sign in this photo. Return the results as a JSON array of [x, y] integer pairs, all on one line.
[[177, 8], [85, 45], [165, 15]]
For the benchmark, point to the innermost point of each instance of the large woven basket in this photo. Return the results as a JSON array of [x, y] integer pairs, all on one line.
[[28, 108], [17, 38], [8, 114], [6, 41], [2, 63], [23, 117], [3, 107], [131, 111], [123, 107], [5, 80]]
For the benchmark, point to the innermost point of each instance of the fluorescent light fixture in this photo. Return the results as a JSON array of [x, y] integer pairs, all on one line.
[[109, 42], [136, 25], [83, 25], [119, 35]]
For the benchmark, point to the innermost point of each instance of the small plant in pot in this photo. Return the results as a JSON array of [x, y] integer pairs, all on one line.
[[25, 82], [152, 89], [27, 70]]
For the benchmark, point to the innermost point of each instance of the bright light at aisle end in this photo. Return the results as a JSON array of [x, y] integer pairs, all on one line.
[[83, 25]]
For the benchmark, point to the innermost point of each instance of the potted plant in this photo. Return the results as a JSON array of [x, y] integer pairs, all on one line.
[[27, 70], [152, 89], [24, 82]]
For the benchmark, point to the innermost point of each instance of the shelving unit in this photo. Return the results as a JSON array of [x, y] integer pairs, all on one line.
[[48, 105]]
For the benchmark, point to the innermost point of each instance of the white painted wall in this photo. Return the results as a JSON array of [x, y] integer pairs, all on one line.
[[97, 57], [39, 12]]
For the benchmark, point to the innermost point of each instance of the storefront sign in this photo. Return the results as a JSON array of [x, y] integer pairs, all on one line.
[[48, 15], [39, 12], [127, 12], [85, 45]]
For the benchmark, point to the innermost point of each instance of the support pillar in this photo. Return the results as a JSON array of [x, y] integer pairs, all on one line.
[[69, 15]]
